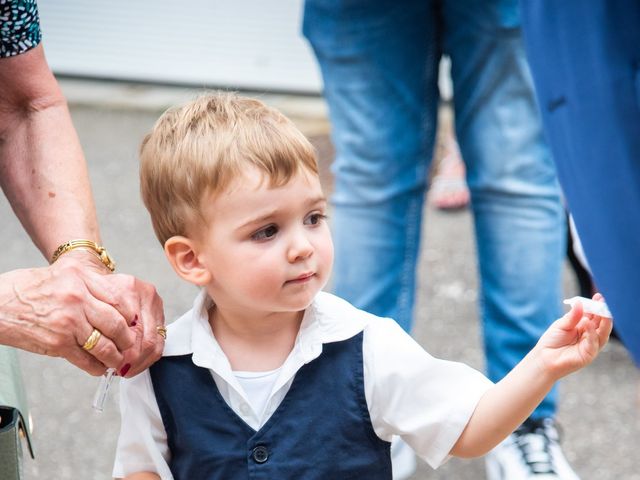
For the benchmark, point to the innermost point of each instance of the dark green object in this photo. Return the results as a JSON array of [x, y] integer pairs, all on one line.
[[13, 416], [11, 425]]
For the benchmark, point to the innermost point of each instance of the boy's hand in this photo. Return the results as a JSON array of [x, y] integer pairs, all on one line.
[[573, 341]]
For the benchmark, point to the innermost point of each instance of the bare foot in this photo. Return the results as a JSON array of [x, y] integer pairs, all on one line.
[[448, 190]]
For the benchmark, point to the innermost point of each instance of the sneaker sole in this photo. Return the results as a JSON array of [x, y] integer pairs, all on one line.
[[493, 470]]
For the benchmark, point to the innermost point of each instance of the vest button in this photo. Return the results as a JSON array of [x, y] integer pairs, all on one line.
[[260, 454]]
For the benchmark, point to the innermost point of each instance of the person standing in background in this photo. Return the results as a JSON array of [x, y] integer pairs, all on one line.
[[74, 308], [379, 61], [585, 59]]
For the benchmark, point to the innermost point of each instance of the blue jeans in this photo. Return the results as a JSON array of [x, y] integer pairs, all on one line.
[[379, 61]]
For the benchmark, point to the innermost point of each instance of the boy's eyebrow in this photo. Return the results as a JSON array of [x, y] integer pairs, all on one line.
[[272, 213], [316, 200]]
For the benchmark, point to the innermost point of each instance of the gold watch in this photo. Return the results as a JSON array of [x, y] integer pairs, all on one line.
[[93, 247]]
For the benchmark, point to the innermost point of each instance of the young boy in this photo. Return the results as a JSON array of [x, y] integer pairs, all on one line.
[[268, 377]]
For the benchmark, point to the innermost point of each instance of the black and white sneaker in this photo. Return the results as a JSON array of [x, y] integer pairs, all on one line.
[[532, 452]]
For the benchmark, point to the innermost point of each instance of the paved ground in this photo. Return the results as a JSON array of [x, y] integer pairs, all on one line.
[[598, 411]]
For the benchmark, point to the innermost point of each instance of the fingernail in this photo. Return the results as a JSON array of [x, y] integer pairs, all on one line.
[[125, 369], [134, 323], [135, 320]]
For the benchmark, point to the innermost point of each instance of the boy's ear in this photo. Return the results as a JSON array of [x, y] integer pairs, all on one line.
[[183, 257]]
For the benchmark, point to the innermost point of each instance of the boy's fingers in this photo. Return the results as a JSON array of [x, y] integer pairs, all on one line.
[[585, 325], [604, 331], [572, 317], [598, 297], [589, 336]]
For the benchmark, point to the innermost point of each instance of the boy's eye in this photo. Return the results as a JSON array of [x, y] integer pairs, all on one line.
[[314, 219], [265, 233]]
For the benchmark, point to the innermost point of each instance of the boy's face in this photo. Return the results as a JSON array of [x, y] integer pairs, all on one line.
[[268, 249]]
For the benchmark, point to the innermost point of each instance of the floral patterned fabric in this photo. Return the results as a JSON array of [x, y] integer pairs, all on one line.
[[19, 26]]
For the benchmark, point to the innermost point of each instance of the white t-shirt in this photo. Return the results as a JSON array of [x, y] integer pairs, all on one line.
[[409, 393], [258, 387]]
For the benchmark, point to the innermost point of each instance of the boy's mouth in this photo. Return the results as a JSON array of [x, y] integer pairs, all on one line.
[[303, 278]]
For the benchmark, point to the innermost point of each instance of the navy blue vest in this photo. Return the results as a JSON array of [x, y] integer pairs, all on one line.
[[321, 430]]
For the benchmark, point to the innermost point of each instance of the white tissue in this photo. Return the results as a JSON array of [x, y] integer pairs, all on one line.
[[591, 306]]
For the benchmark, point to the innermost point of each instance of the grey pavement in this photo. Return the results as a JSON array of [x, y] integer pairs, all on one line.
[[599, 409]]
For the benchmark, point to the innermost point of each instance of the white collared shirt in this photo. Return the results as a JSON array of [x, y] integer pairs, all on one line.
[[426, 401]]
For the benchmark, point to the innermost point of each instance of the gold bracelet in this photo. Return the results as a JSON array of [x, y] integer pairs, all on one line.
[[93, 247]]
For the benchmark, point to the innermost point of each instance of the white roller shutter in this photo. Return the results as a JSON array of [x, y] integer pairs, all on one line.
[[251, 44]]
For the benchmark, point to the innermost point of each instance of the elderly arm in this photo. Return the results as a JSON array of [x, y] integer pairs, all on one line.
[[53, 310], [42, 168]]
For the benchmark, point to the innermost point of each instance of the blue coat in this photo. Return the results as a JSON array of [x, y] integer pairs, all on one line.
[[585, 60]]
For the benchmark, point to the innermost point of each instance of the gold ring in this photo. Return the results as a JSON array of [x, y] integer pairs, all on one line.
[[162, 331], [92, 340]]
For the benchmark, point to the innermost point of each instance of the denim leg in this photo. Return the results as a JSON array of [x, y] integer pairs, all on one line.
[[379, 65], [519, 219]]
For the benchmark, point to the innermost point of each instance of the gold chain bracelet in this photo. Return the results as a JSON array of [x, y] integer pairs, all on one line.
[[93, 247]]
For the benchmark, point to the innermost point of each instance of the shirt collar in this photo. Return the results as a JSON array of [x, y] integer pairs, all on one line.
[[328, 319]]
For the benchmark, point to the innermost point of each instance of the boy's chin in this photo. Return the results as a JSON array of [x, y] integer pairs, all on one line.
[[299, 304], [299, 297]]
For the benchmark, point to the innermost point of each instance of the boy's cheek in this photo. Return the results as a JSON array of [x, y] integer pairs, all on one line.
[[328, 248]]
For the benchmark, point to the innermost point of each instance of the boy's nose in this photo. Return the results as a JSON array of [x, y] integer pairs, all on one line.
[[300, 248]]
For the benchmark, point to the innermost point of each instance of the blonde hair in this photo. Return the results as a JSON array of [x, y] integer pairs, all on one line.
[[201, 147]]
